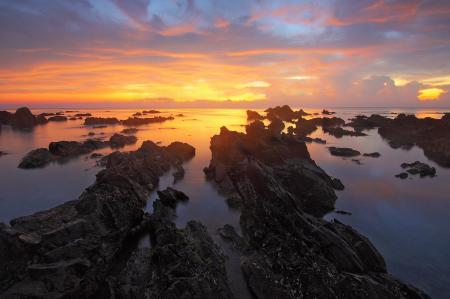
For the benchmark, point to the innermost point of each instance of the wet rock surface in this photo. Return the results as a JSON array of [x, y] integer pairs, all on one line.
[[119, 140], [405, 131], [287, 250], [343, 151], [419, 168], [70, 251]]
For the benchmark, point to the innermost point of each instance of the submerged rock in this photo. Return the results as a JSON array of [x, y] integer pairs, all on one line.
[[420, 168], [151, 112], [37, 158], [287, 250], [343, 151], [326, 112], [119, 140]]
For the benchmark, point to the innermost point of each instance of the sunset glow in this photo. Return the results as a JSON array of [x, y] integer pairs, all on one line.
[[297, 52]]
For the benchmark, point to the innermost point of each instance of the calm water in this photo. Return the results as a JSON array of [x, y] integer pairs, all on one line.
[[408, 220]]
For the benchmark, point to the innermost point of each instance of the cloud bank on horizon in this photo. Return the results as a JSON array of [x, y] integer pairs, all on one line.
[[303, 53]]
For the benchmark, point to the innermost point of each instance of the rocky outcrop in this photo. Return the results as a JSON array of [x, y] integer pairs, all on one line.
[[136, 121], [70, 250], [287, 250], [253, 115], [58, 118], [339, 132], [419, 168], [129, 131], [119, 140], [343, 151], [372, 155], [151, 112], [94, 121], [326, 112], [37, 158], [285, 113]]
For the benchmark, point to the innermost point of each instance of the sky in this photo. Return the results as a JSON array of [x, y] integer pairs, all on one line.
[[230, 53]]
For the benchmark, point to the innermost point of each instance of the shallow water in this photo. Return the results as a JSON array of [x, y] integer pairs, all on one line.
[[407, 220]]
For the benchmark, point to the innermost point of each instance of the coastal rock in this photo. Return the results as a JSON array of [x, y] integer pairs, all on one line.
[[119, 140], [5, 117], [74, 148], [82, 115], [57, 118], [420, 168], [253, 115], [23, 119], [287, 250], [129, 131], [41, 120], [136, 121], [402, 175], [339, 132], [178, 174], [151, 112], [3, 153], [285, 113], [372, 155], [343, 151], [37, 158], [326, 112], [71, 250], [181, 151], [93, 121]]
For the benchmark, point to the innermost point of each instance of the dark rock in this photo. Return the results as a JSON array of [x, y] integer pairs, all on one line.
[[93, 121], [171, 197], [343, 212], [119, 140], [73, 118], [287, 250], [253, 115], [362, 122], [82, 115], [276, 127], [180, 115], [151, 112], [339, 132], [41, 120], [3, 153], [181, 151], [5, 117], [71, 250], [343, 151], [74, 148], [129, 131], [23, 119], [135, 121], [284, 113], [372, 155], [37, 158], [178, 174], [357, 161], [337, 184], [326, 112], [91, 134], [316, 140], [99, 127], [420, 168], [57, 118], [402, 175]]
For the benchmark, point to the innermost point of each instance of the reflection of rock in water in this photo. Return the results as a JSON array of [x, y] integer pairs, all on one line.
[[287, 249]]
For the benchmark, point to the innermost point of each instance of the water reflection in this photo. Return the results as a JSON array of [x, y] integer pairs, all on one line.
[[408, 220]]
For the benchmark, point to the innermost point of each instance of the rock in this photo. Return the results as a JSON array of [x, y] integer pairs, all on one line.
[[129, 131], [181, 151], [70, 251], [276, 127], [326, 112], [5, 117], [339, 132], [287, 250], [402, 175], [135, 121], [420, 168], [316, 140], [119, 140], [23, 119], [343, 151], [180, 115], [99, 127], [151, 112], [3, 153], [357, 161], [93, 121], [37, 158], [82, 115], [343, 212], [57, 118], [171, 197], [41, 120], [91, 133], [337, 184], [178, 174], [137, 114], [362, 122], [372, 155], [67, 149], [253, 115], [284, 113]]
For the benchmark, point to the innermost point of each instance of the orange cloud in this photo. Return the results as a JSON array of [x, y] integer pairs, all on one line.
[[430, 94]]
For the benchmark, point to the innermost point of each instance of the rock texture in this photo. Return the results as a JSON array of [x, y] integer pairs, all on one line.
[[343, 151], [432, 135], [287, 250], [69, 251], [93, 121]]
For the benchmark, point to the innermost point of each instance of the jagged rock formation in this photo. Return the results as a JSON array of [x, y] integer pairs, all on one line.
[[68, 251], [287, 250], [432, 135], [253, 115]]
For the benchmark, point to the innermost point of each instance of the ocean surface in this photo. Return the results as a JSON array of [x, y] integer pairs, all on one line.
[[407, 220]]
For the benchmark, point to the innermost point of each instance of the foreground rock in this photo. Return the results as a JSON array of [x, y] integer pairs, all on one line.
[[70, 250], [21, 119], [287, 250], [343, 151], [419, 168], [405, 131]]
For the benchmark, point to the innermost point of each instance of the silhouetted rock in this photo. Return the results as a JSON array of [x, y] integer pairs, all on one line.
[[316, 140], [119, 140], [284, 113], [402, 175], [82, 115], [23, 119], [137, 114], [420, 168], [286, 249], [74, 148], [3, 153], [339, 132], [151, 112], [362, 122], [92, 121], [41, 120], [57, 118], [326, 112], [372, 155], [253, 115], [5, 117], [70, 251], [96, 156], [181, 151], [129, 131], [135, 121], [37, 158], [276, 127], [343, 151], [343, 212]]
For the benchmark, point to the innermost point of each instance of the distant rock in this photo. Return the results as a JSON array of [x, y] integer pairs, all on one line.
[[5, 117], [92, 121], [82, 115], [326, 112], [135, 121], [151, 112], [41, 120], [119, 140], [181, 151], [137, 114], [284, 113], [316, 140], [58, 118], [178, 174], [372, 155], [343, 151], [3, 153], [343, 212], [253, 115], [420, 168], [129, 131], [339, 132]]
